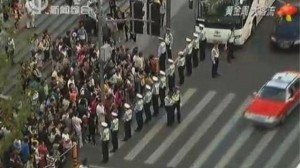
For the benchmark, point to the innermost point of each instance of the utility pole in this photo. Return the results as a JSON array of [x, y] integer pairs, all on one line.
[[168, 15], [100, 44]]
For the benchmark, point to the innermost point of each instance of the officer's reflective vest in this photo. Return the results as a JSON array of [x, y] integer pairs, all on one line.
[[128, 115], [156, 88], [105, 136], [115, 124], [148, 97]]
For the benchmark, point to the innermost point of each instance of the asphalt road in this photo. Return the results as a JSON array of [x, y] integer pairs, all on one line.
[[213, 134]]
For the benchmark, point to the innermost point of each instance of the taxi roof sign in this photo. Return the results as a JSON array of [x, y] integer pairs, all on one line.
[[285, 77]]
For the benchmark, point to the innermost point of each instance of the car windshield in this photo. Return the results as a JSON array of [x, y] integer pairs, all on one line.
[[272, 93], [214, 13], [288, 29]]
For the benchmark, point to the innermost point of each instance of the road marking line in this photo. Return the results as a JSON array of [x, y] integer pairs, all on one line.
[[181, 127], [259, 148], [95, 166], [202, 129], [221, 135], [282, 149], [243, 137], [155, 129]]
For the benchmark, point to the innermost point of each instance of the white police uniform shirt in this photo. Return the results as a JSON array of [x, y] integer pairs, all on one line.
[[202, 35], [188, 49], [169, 39], [162, 82], [128, 115], [147, 97], [105, 134], [181, 62], [171, 70], [139, 105], [161, 49], [115, 124], [168, 101], [215, 53], [196, 43], [231, 37], [156, 88]]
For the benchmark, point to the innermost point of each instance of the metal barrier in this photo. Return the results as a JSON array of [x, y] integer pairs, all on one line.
[[75, 156]]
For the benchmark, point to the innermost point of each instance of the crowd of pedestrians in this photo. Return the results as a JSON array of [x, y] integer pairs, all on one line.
[[72, 106]]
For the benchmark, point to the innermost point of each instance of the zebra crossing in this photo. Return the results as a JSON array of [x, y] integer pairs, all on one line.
[[235, 136]]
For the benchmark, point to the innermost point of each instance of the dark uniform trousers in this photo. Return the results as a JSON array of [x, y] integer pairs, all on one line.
[[189, 64], [147, 112], [170, 115], [46, 55], [114, 140], [169, 52], [162, 95], [139, 120], [127, 130], [178, 112], [195, 57], [162, 62], [171, 81], [214, 71], [155, 105], [105, 151], [181, 74], [230, 52], [202, 50]]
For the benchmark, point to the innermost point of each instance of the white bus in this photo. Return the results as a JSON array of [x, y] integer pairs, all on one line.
[[217, 20]]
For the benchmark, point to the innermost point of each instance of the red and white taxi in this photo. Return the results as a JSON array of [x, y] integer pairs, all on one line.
[[275, 100]]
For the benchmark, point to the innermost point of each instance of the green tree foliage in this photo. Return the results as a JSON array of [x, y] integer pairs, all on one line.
[[14, 109]]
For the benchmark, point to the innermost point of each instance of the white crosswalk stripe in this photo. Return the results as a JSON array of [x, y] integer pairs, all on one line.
[[151, 134], [259, 148], [179, 154], [171, 138], [235, 147], [295, 163], [221, 135], [284, 146], [201, 130]]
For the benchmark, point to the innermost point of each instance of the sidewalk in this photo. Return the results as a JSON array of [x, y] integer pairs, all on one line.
[[57, 25]]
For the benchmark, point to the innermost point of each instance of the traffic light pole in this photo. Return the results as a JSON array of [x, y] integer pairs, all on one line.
[[100, 44], [168, 15]]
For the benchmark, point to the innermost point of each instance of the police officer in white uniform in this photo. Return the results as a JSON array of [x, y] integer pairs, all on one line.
[[171, 74], [169, 106], [147, 103], [155, 95], [162, 54], [114, 131], [188, 56], [105, 141], [215, 53], [30, 22], [176, 100], [180, 63], [230, 46], [196, 44], [162, 87], [202, 36], [169, 42], [138, 109], [127, 121]]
